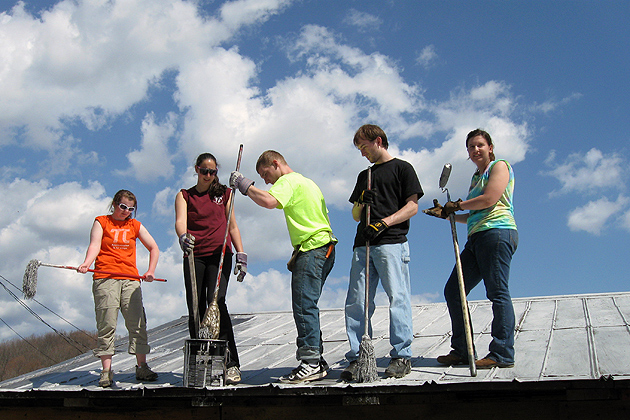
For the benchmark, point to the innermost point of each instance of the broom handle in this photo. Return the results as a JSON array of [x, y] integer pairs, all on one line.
[[367, 254], [215, 296], [68, 267], [462, 296]]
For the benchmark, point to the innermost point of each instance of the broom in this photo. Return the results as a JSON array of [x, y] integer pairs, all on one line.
[[366, 363], [29, 282], [211, 324]]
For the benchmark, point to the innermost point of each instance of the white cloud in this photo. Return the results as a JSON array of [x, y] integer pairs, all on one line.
[[589, 172], [625, 221], [153, 160], [92, 61], [365, 22], [427, 56], [593, 216]]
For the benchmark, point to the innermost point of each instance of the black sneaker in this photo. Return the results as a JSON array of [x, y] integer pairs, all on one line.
[[350, 373], [306, 373], [398, 368]]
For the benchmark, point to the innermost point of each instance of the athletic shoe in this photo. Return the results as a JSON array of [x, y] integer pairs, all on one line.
[[451, 359], [144, 373], [350, 373], [233, 375], [488, 363], [398, 368], [306, 373], [106, 379]]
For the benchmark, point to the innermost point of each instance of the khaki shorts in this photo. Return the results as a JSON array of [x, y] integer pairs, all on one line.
[[111, 295]]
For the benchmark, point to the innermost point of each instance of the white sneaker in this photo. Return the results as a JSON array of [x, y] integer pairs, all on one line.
[[305, 373]]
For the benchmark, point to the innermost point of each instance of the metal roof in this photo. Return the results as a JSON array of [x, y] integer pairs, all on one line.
[[569, 337]]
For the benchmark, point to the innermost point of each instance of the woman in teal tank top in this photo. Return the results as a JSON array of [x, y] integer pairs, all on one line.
[[492, 241]]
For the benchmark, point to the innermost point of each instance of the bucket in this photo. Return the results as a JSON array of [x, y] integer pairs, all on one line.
[[204, 363]]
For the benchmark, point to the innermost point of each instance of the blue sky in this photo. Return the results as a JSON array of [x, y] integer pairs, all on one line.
[[103, 95]]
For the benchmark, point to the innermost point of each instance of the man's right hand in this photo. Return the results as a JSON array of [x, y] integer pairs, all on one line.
[[238, 181], [186, 242], [368, 197]]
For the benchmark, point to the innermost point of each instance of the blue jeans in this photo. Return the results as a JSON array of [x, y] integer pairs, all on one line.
[[389, 263], [486, 256], [309, 274]]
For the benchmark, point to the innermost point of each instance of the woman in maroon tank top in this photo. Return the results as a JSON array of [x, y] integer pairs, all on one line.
[[200, 223]]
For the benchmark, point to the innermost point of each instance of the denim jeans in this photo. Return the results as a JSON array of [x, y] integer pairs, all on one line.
[[487, 255], [389, 263], [309, 274]]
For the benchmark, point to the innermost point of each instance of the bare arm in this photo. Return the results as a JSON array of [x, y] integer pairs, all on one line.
[[96, 236], [497, 182], [181, 215], [262, 197], [154, 252], [405, 213]]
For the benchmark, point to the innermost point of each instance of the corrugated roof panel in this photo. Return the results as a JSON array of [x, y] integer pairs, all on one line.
[[560, 337]]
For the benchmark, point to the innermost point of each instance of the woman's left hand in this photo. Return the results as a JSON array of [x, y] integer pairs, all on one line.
[[240, 269]]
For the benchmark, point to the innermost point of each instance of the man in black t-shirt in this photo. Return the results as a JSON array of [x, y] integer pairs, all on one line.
[[393, 200]]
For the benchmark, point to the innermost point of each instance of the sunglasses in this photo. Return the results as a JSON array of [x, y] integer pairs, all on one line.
[[206, 171], [124, 207]]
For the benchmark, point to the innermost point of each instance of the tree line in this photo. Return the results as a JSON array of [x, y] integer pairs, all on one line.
[[17, 356]]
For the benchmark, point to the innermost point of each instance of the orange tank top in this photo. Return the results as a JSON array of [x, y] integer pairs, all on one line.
[[118, 247]]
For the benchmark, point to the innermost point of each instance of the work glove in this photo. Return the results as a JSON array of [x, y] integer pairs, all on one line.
[[238, 181], [186, 242], [452, 206], [437, 210], [374, 229], [240, 269], [368, 197]]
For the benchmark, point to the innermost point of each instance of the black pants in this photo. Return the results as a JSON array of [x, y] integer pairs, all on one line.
[[206, 269]]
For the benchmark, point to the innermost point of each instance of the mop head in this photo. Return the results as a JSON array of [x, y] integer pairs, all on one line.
[[211, 323], [29, 283], [366, 363]]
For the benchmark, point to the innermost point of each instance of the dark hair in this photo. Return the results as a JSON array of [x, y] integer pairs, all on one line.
[[485, 135], [267, 157], [370, 132], [119, 195], [216, 188]]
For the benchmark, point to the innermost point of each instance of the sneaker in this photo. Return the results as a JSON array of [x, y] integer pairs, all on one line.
[[488, 363], [349, 373], [144, 373], [451, 359], [305, 373], [106, 379], [398, 368], [233, 375]]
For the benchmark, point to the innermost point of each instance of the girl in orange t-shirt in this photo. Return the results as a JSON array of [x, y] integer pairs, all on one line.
[[113, 248]]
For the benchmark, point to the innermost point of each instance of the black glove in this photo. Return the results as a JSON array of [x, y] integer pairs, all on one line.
[[437, 210], [374, 229], [452, 206], [186, 242], [238, 181], [368, 197], [240, 269]]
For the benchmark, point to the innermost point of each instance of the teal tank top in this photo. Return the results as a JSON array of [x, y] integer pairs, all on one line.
[[498, 216]]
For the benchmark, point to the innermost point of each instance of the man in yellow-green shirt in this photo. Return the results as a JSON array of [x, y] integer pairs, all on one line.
[[309, 228]]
